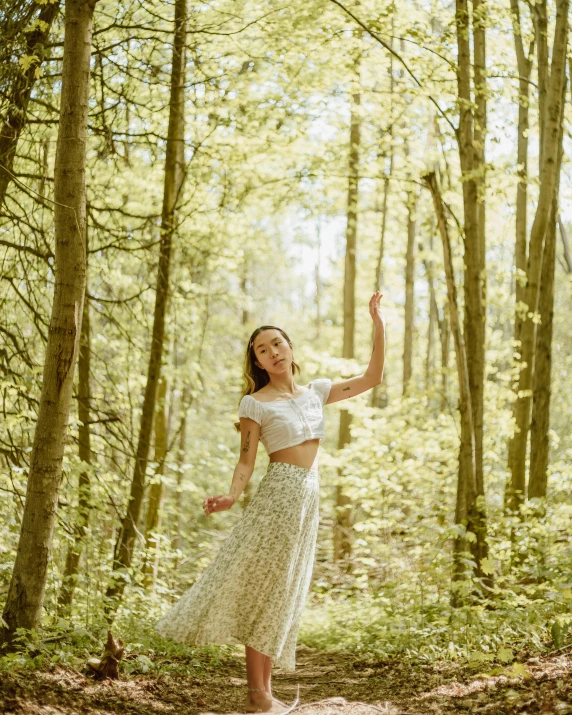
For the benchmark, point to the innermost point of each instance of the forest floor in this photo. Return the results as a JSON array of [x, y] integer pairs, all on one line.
[[329, 684]]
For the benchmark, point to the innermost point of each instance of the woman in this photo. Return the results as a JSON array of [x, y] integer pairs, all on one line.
[[253, 591]]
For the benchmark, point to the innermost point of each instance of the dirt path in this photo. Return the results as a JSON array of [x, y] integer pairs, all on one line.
[[330, 684]]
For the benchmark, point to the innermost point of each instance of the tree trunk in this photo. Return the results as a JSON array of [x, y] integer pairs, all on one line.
[[466, 508], [540, 423], [479, 165], [549, 169], [81, 523], [15, 118], [443, 325], [343, 522], [433, 315], [565, 244], [524, 64], [174, 174], [156, 488], [445, 340], [471, 159], [409, 291], [181, 458], [26, 594], [378, 394]]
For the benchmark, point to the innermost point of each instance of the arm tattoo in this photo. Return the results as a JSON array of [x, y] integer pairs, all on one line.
[[241, 477], [247, 442], [345, 389]]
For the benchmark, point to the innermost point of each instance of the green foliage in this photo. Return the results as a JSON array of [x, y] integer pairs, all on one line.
[[64, 644]]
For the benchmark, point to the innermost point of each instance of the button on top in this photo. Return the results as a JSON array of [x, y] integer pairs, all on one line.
[[301, 415]]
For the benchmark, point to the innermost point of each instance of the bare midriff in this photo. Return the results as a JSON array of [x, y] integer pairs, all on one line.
[[302, 455]]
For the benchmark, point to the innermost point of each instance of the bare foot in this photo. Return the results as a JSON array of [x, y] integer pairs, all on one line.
[[258, 703]]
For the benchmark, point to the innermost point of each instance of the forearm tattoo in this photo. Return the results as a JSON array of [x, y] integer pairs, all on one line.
[[247, 442], [345, 389]]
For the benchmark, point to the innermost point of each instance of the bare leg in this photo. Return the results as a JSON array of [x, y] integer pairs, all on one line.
[[268, 681], [268, 676], [255, 662]]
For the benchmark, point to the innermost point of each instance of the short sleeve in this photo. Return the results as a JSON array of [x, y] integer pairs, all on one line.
[[323, 386], [249, 407]]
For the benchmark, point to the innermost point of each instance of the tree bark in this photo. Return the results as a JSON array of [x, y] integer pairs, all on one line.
[[409, 291], [26, 594], [443, 325], [17, 102], [472, 166], [156, 488], [81, 523], [466, 511], [540, 423], [524, 64], [174, 174], [181, 457], [549, 169], [565, 244], [479, 138], [343, 521]]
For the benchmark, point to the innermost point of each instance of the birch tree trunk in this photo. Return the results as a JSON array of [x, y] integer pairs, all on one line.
[[26, 593], [15, 117], [343, 521], [174, 174]]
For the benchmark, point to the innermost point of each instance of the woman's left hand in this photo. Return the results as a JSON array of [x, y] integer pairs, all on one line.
[[375, 311]]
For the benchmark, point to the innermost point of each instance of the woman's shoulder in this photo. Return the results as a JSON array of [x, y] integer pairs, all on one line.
[[256, 396]]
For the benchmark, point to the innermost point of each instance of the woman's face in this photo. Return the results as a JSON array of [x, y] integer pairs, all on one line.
[[272, 352]]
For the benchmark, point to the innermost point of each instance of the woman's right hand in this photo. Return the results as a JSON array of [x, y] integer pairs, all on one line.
[[221, 502]]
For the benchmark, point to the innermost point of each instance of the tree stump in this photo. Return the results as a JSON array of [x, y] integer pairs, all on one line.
[[108, 665]]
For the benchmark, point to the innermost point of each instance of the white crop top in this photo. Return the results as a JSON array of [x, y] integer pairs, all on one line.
[[286, 423]]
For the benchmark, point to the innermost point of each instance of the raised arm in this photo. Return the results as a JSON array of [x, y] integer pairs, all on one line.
[[374, 374]]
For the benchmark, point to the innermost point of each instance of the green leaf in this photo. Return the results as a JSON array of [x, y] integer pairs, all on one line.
[[27, 60], [556, 633], [505, 655], [487, 566], [517, 670]]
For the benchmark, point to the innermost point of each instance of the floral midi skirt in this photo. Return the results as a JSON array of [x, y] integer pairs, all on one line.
[[254, 590]]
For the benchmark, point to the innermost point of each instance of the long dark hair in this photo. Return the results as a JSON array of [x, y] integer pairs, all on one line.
[[255, 377]]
